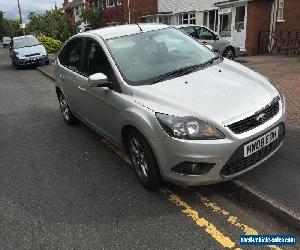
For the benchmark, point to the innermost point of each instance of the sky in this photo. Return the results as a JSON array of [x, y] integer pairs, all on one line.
[[10, 7]]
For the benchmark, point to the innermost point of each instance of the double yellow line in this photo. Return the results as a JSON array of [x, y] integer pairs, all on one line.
[[209, 228]]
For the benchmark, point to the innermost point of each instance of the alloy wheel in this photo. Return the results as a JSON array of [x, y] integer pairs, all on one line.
[[64, 107], [138, 158]]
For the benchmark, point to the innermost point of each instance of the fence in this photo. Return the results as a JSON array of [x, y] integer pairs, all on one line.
[[283, 42]]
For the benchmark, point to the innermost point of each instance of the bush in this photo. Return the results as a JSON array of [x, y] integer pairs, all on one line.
[[52, 46]]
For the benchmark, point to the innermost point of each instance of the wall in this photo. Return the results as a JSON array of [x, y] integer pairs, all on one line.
[[291, 16], [177, 6], [258, 19]]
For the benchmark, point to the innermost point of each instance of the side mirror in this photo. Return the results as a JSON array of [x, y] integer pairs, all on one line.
[[217, 37], [98, 80], [10, 47]]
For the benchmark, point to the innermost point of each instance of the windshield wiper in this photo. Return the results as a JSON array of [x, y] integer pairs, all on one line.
[[30, 45], [176, 73], [183, 71], [210, 61]]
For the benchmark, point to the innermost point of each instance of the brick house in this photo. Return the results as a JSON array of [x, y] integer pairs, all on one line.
[[247, 22], [115, 11]]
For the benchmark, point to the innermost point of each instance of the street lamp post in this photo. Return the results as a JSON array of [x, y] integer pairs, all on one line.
[[21, 20]]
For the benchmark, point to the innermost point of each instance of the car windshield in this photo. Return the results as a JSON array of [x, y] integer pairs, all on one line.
[[145, 57], [25, 42]]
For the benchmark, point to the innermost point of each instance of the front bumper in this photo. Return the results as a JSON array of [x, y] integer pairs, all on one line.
[[171, 152], [40, 60]]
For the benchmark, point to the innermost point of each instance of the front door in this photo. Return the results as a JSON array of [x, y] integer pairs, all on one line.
[[101, 105], [239, 29]]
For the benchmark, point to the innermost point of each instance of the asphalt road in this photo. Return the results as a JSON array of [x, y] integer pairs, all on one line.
[[61, 187]]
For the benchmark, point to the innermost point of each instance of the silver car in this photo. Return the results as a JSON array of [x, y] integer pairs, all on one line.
[[27, 50], [183, 113], [225, 47]]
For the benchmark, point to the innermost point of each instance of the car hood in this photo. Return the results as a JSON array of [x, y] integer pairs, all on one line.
[[37, 49], [220, 93]]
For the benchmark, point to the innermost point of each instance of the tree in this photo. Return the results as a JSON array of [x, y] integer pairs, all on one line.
[[51, 23], [93, 17], [10, 27]]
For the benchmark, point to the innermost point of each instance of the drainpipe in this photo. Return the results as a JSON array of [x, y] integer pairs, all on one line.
[[128, 11], [273, 24]]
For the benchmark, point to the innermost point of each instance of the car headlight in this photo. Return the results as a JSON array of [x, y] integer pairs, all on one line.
[[188, 127], [19, 56]]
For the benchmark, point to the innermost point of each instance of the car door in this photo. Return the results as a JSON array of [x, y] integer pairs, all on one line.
[[101, 105], [71, 76]]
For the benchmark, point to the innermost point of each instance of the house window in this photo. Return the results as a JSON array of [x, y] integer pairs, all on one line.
[[211, 19], [280, 10], [111, 3], [164, 19], [186, 18]]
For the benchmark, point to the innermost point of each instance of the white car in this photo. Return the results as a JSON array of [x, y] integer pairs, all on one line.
[[6, 41]]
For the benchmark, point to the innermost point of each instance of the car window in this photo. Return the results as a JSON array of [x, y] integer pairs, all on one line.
[[205, 34], [95, 60], [190, 31], [71, 55], [143, 57]]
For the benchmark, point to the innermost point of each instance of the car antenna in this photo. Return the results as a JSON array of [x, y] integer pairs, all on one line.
[[138, 26]]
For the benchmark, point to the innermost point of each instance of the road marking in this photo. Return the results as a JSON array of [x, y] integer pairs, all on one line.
[[189, 212], [200, 221], [117, 151], [231, 219]]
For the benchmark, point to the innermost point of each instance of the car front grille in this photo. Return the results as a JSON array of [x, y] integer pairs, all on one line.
[[237, 163], [35, 54], [257, 119]]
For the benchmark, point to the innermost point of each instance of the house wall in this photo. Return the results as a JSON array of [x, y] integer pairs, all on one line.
[[291, 16], [258, 19], [177, 6], [139, 8]]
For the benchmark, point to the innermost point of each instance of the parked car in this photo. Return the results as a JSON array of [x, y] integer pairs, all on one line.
[[6, 41], [183, 113], [27, 50], [226, 48]]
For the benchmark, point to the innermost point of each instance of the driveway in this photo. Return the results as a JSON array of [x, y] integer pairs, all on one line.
[[285, 72]]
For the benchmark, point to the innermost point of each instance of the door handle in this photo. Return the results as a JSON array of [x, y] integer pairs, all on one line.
[[81, 88], [204, 42]]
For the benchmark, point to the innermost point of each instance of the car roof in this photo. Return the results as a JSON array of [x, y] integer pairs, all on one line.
[[123, 30], [21, 37]]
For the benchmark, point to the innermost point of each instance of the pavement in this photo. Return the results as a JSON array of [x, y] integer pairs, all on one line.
[[67, 188]]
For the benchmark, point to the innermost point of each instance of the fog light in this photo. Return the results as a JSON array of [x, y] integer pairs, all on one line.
[[193, 168]]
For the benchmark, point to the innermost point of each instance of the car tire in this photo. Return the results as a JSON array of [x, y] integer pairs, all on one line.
[[47, 62], [67, 114], [143, 161], [229, 53]]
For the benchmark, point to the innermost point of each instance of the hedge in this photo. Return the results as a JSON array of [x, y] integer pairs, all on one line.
[[52, 46]]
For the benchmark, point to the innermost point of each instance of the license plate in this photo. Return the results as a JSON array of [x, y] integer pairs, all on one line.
[[261, 142]]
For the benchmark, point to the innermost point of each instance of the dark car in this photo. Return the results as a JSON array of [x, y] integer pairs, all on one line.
[[27, 50]]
